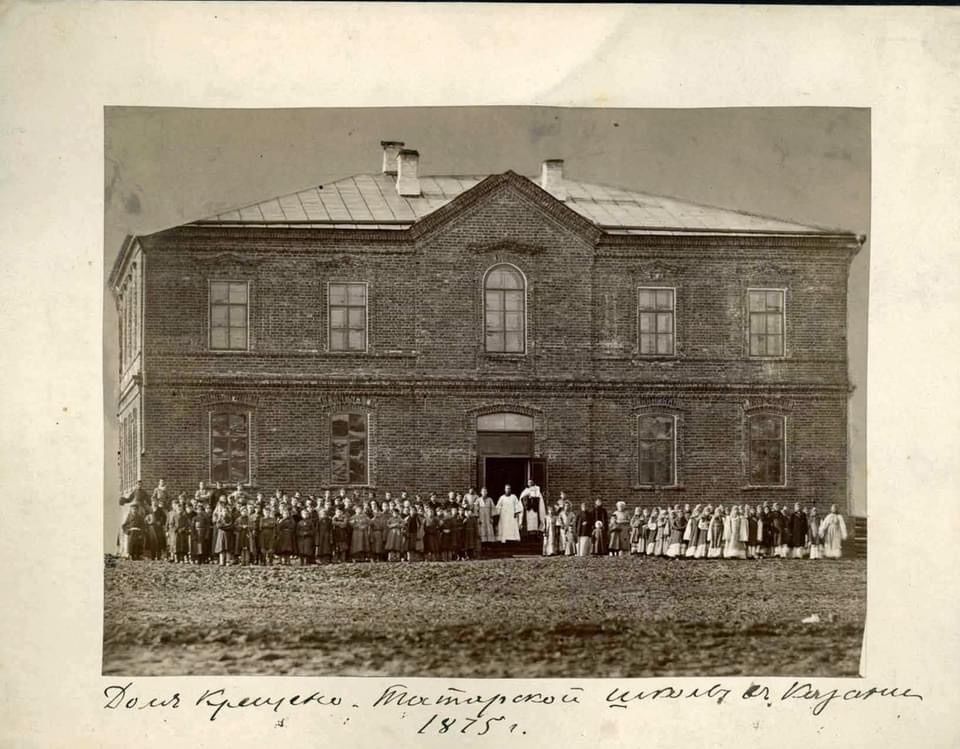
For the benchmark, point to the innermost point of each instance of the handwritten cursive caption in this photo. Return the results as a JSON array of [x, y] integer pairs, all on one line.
[[457, 711]]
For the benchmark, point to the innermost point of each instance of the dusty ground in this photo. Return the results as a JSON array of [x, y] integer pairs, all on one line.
[[566, 617]]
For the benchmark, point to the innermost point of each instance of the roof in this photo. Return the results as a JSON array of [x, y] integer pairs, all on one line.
[[370, 201]]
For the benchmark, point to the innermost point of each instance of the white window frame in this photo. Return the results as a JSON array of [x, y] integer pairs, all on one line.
[[249, 414], [783, 345], [366, 318], [673, 310], [367, 437], [526, 311], [676, 430], [210, 348], [748, 451]]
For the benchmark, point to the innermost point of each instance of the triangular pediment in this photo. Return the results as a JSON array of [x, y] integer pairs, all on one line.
[[523, 188]]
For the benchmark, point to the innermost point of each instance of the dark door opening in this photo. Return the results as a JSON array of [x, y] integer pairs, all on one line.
[[499, 472]]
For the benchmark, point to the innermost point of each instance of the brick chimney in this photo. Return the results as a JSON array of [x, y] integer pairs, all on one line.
[[551, 178], [390, 150], [408, 182]]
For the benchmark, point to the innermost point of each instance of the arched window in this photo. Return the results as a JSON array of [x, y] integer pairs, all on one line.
[[767, 449], [656, 449], [505, 313]]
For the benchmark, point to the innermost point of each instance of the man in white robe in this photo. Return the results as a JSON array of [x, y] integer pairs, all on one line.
[[509, 509], [532, 499]]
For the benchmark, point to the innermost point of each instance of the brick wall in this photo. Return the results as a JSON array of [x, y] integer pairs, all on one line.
[[425, 374]]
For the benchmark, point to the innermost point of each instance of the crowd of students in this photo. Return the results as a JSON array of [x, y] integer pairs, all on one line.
[[234, 527]]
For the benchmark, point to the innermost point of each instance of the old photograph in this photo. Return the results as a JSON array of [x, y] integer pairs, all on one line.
[[485, 392]]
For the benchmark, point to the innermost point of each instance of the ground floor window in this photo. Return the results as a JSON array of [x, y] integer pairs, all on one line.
[[767, 450], [229, 447], [348, 448], [657, 449], [129, 446]]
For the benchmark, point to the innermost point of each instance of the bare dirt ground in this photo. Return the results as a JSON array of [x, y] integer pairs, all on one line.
[[525, 617]]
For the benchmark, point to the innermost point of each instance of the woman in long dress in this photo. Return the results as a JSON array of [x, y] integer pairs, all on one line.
[[550, 534], [484, 506], [715, 535], [833, 531], [690, 533], [813, 534], [619, 531], [509, 511], [735, 535], [678, 525]]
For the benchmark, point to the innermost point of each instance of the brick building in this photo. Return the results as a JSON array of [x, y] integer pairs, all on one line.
[[399, 331]]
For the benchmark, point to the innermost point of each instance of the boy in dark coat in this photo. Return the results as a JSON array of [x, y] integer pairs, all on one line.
[[266, 535], [134, 528], [286, 537], [306, 537], [202, 532], [324, 538]]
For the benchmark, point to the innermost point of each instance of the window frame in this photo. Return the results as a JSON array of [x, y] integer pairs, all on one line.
[[366, 318], [248, 413], [210, 347], [748, 452], [674, 447], [783, 322], [673, 312], [483, 313], [367, 452]]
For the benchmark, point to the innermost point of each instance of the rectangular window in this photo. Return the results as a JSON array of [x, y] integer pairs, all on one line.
[[767, 450], [657, 450], [656, 310], [228, 315], [347, 307], [348, 449], [766, 308], [229, 447]]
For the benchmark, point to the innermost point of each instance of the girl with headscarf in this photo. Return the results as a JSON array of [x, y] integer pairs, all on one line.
[[813, 534], [678, 525], [735, 535], [690, 533], [715, 535], [636, 532], [619, 531]]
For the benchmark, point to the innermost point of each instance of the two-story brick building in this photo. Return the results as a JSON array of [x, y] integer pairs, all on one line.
[[398, 331]]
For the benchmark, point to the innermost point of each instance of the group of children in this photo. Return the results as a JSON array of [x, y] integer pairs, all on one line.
[[705, 532], [237, 529]]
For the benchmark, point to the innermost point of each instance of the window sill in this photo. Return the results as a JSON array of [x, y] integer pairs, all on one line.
[[766, 488], [492, 356], [654, 488]]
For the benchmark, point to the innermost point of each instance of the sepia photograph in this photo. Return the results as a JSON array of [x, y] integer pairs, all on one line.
[[485, 391]]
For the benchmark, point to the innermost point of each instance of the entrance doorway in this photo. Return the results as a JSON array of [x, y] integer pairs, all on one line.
[[499, 471]]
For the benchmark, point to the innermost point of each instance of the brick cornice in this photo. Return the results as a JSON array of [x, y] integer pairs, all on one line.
[[401, 386]]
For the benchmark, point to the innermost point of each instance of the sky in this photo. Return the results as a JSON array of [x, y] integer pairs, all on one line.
[[167, 166]]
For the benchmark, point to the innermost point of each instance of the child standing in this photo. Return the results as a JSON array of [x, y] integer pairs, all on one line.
[[550, 533], [242, 536], [267, 535], [341, 535], [394, 543], [306, 537], [286, 536], [813, 534], [324, 538], [619, 530], [359, 538], [223, 544], [598, 537]]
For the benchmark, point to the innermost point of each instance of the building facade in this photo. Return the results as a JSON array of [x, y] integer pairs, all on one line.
[[394, 331]]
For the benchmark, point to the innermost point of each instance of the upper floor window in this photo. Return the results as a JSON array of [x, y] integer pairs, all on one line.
[[766, 310], [228, 315], [767, 450], [229, 447], [657, 436], [504, 303], [656, 309], [348, 316], [348, 449]]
